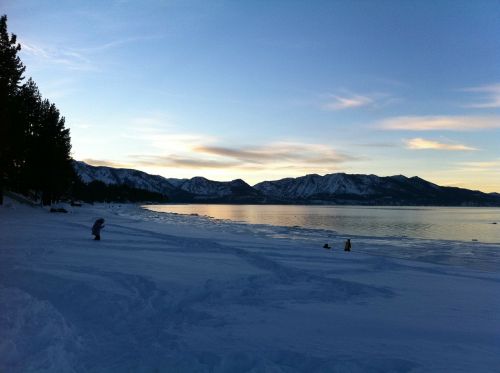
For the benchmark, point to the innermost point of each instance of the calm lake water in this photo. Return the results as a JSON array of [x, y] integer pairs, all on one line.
[[443, 223]]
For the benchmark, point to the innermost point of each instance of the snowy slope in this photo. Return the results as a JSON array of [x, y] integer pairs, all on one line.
[[202, 187], [370, 189], [132, 178], [310, 185], [176, 182], [186, 190], [339, 183], [339, 188], [213, 297]]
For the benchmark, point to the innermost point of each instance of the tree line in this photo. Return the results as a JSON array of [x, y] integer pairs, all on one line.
[[97, 191], [35, 145]]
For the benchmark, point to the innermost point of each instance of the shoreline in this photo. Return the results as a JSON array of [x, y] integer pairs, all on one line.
[[486, 254], [184, 297]]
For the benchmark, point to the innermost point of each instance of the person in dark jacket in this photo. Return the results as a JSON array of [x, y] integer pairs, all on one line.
[[96, 228], [347, 246]]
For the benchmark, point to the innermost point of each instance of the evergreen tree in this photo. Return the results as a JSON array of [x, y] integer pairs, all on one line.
[[27, 114], [49, 160], [11, 136], [35, 146]]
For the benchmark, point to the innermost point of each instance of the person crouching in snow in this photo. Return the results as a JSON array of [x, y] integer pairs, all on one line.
[[96, 228]]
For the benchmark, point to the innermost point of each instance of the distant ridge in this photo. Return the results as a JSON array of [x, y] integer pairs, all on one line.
[[132, 178], [197, 189], [338, 188], [341, 188]]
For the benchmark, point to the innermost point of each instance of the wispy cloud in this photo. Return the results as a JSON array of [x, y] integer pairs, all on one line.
[[279, 153], [68, 58], [184, 154], [421, 144], [77, 59], [201, 151], [440, 123], [106, 163], [490, 96], [196, 155], [336, 102], [169, 161], [480, 166], [34, 50], [118, 43], [345, 100]]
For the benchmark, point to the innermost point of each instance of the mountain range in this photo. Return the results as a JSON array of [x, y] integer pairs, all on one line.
[[336, 188]]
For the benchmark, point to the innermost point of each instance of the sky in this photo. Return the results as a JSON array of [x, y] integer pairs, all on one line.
[[262, 90]]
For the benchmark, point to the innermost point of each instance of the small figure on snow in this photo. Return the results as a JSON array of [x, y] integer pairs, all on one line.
[[326, 246], [96, 228], [347, 246]]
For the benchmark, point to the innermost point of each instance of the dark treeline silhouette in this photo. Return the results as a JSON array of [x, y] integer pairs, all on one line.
[[97, 191], [34, 143]]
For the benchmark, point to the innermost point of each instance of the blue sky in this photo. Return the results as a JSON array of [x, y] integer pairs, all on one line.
[[262, 90]]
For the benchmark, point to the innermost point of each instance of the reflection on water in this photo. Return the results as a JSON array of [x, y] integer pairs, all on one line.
[[446, 223]]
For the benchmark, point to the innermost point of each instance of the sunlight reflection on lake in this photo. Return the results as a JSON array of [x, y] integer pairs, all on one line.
[[444, 223]]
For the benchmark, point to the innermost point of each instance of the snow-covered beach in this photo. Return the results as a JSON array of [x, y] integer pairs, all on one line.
[[179, 294]]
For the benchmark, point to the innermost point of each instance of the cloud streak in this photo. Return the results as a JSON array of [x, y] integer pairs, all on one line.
[[76, 59], [347, 102], [105, 163], [278, 152], [184, 154], [169, 161], [70, 59], [490, 96], [313, 157], [480, 166], [423, 144], [440, 123]]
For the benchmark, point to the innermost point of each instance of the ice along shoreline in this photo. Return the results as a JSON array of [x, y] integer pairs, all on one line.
[[470, 254]]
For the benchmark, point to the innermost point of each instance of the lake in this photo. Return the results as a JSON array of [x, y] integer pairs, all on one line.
[[443, 223]]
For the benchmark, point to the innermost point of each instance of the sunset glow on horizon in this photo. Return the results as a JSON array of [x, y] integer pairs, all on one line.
[[268, 90]]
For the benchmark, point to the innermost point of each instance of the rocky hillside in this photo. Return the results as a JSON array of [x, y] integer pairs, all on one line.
[[339, 188], [123, 176], [197, 189]]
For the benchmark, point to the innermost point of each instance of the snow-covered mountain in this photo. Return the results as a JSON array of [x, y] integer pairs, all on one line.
[[197, 189], [204, 187], [313, 185], [339, 188], [129, 177]]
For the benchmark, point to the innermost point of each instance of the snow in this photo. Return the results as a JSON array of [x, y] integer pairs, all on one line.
[[339, 183], [165, 292], [309, 185], [133, 178], [201, 186]]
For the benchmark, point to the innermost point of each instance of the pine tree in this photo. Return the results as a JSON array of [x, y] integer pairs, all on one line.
[[35, 146], [11, 136], [28, 116], [51, 170], [47, 167]]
